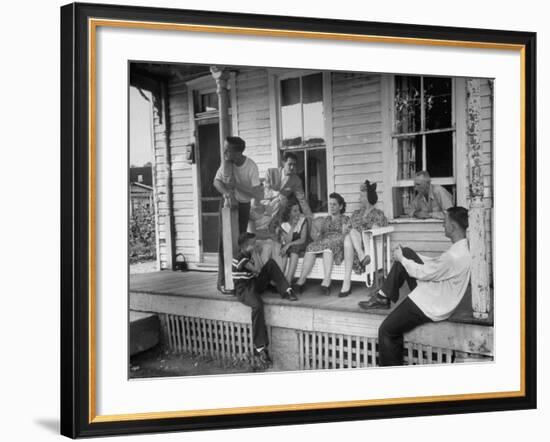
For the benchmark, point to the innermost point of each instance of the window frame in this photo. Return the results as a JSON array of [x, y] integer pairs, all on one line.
[[457, 128], [275, 76]]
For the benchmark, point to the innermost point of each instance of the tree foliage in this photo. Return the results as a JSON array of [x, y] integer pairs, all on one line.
[[142, 234]]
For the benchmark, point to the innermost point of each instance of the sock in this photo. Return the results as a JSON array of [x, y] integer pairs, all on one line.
[[381, 294]]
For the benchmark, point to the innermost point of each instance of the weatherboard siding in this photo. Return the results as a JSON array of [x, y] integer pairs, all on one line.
[[253, 122], [356, 134], [185, 236]]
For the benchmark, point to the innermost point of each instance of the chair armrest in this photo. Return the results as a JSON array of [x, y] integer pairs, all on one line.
[[379, 231], [378, 243]]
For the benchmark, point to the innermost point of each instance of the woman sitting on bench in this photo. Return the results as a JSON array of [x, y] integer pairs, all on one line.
[[294, 230], [366, 218], [330, 243]]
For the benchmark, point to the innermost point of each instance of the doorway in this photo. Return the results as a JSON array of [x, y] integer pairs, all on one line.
[[208, 161]]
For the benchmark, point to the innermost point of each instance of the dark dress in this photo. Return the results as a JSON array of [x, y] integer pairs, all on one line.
[[296, 235]]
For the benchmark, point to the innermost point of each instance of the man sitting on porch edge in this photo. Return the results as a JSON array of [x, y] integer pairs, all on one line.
[[251, 278], [437, 287]]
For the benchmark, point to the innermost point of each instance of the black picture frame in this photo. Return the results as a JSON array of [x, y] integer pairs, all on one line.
[[76, 420]]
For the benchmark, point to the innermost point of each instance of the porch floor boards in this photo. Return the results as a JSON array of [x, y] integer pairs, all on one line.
[[203, 285]]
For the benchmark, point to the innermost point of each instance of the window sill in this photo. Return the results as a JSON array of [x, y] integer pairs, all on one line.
[[415, 221]]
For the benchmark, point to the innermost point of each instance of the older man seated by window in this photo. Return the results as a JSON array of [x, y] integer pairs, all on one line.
[[431, 200]]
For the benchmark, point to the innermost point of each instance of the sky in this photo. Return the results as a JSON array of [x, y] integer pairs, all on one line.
[[140, 128]]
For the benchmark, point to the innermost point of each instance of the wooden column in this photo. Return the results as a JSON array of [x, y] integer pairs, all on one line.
[[230, 227], [477, 236]]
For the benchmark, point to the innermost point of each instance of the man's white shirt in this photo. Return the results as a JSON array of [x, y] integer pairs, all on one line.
[[442, 281], [246, 175]]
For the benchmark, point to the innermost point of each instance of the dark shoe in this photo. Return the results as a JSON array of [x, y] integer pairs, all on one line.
[[365, 261], [263, 356], [290, 295], [325, 290], [375, 302], [224, 291], [344, 294], [298, 288]]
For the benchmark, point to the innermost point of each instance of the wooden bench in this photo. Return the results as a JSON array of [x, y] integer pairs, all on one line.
[[376, 243]]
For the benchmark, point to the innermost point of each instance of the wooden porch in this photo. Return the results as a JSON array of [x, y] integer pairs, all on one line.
[[314, 332]]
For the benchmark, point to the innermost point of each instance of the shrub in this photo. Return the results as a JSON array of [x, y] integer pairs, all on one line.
[[142, 235]]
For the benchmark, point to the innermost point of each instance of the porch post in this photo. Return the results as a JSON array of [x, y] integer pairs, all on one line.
[[477, 235], [229, 214]]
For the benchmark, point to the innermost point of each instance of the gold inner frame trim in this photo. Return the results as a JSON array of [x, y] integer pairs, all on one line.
[[299, 34], [92, 27]]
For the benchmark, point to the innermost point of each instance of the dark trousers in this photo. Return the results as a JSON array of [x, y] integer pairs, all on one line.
[[243, 214], [404, 318], [250, 294]]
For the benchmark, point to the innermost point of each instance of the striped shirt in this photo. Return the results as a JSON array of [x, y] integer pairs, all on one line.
[[238, 269]]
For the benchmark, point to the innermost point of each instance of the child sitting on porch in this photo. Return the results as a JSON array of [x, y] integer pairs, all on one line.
[[251, 279]]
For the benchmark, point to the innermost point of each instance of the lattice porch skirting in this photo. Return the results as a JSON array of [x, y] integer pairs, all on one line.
[[317, 350]]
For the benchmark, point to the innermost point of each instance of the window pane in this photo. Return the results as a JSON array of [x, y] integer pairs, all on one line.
[[314, 125], [300, 165], [439, 154], [312, 95], [209, 102], [291, 112], [409, 157], [312, 88], [402, 199], [407, 104], [438, 102], [317, 180], [452, 190], [290, 91]]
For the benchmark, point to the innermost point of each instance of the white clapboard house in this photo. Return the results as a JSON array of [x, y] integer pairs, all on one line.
[[344, 127]]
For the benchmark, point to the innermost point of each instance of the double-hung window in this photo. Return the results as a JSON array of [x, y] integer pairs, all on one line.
[[423, 135], [302, 131]]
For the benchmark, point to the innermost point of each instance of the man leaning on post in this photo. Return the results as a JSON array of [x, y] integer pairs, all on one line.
[[238, 180]]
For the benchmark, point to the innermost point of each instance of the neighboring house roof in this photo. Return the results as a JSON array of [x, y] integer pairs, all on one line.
[[140, 188], [146, 175]]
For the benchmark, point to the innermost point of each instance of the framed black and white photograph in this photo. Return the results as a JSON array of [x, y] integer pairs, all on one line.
[[258, 202]]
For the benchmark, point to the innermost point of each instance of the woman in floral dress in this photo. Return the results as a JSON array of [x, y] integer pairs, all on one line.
[[329, 244], [367, 217]]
